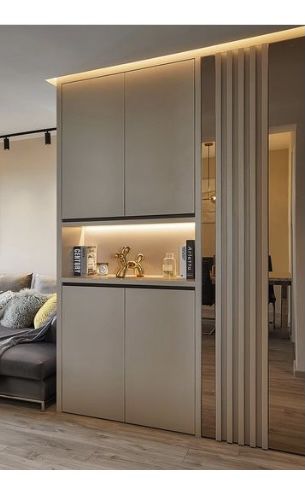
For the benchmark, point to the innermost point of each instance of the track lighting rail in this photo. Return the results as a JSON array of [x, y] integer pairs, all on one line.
[[46, 131]]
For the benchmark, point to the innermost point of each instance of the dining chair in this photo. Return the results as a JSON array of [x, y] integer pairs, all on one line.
[[208, 288], [271, 296]]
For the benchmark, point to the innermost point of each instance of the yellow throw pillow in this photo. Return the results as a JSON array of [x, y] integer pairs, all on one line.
[[47, 309]]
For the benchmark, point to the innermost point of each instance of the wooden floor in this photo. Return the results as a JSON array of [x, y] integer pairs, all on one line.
[[286, 398], [286, 392], [30, 439], [208, 391]]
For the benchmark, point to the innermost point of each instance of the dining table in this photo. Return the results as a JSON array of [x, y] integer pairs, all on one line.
[[282, 279]]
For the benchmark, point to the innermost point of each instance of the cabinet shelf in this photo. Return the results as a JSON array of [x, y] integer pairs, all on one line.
[[129, 281], [153, 240]]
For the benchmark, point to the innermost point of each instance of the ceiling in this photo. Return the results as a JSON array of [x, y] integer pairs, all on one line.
[[31, 54]]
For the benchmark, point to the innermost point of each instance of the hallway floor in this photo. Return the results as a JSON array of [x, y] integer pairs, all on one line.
[[30, 439], [286, 392], [287, 398]]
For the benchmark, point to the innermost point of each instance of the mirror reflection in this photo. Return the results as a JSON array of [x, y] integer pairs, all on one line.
[[286, 385], [208, 287]]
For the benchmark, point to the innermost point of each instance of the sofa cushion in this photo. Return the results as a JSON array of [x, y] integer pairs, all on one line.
[[45, 312], [20, 311], [35, 361], [43, 284], [15, 282]]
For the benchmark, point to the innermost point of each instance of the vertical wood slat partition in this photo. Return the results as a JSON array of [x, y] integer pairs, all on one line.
[[252, 243], [242, 246]]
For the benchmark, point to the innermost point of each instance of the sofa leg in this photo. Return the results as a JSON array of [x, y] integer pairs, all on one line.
[[42, 406]]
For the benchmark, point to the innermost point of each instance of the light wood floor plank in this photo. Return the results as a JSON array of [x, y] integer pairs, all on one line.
[[286, 392], [30, 439]]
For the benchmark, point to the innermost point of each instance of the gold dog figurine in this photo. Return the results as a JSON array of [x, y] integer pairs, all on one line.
[[125, 264]]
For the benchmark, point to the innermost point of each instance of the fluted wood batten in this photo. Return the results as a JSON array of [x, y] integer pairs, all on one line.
[[242, 246]]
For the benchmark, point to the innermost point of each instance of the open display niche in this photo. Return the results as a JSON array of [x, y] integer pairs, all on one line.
[[151, 238]]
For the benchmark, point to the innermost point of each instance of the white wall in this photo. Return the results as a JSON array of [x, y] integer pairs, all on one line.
[[28, 207], [286, 93], [279, 210], [279, 220]]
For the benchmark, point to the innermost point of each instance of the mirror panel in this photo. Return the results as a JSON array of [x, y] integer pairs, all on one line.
[[286, 341], [208, 246]]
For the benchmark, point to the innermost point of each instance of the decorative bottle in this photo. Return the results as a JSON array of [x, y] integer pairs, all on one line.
[[169, 266]]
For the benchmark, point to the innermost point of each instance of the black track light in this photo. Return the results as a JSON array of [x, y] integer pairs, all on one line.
[[47, 138], [46, 131], [6, 143]]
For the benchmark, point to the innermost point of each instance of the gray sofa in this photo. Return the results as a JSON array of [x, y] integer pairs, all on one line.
[[28, 371]]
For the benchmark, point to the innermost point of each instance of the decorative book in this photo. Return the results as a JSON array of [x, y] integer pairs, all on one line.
[[190, 259], [84, 260], [77, 260]]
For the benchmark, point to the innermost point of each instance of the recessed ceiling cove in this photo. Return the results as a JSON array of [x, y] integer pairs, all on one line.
[[31, 54]]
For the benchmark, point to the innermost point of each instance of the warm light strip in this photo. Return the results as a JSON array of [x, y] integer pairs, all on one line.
[[287, 34], [177, 226]]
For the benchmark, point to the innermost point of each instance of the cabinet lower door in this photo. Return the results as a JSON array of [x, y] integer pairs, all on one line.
[[93, 351], [160, 358]]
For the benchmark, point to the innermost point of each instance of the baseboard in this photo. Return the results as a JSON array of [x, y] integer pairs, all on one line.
[[298, 373]]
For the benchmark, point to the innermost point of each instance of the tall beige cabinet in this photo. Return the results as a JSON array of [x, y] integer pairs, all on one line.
[[128, 348]]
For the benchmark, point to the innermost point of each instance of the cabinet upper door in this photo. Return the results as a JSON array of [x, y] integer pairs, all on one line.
[[93, 148], [159, 137], [160, 358], [93, 351]]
